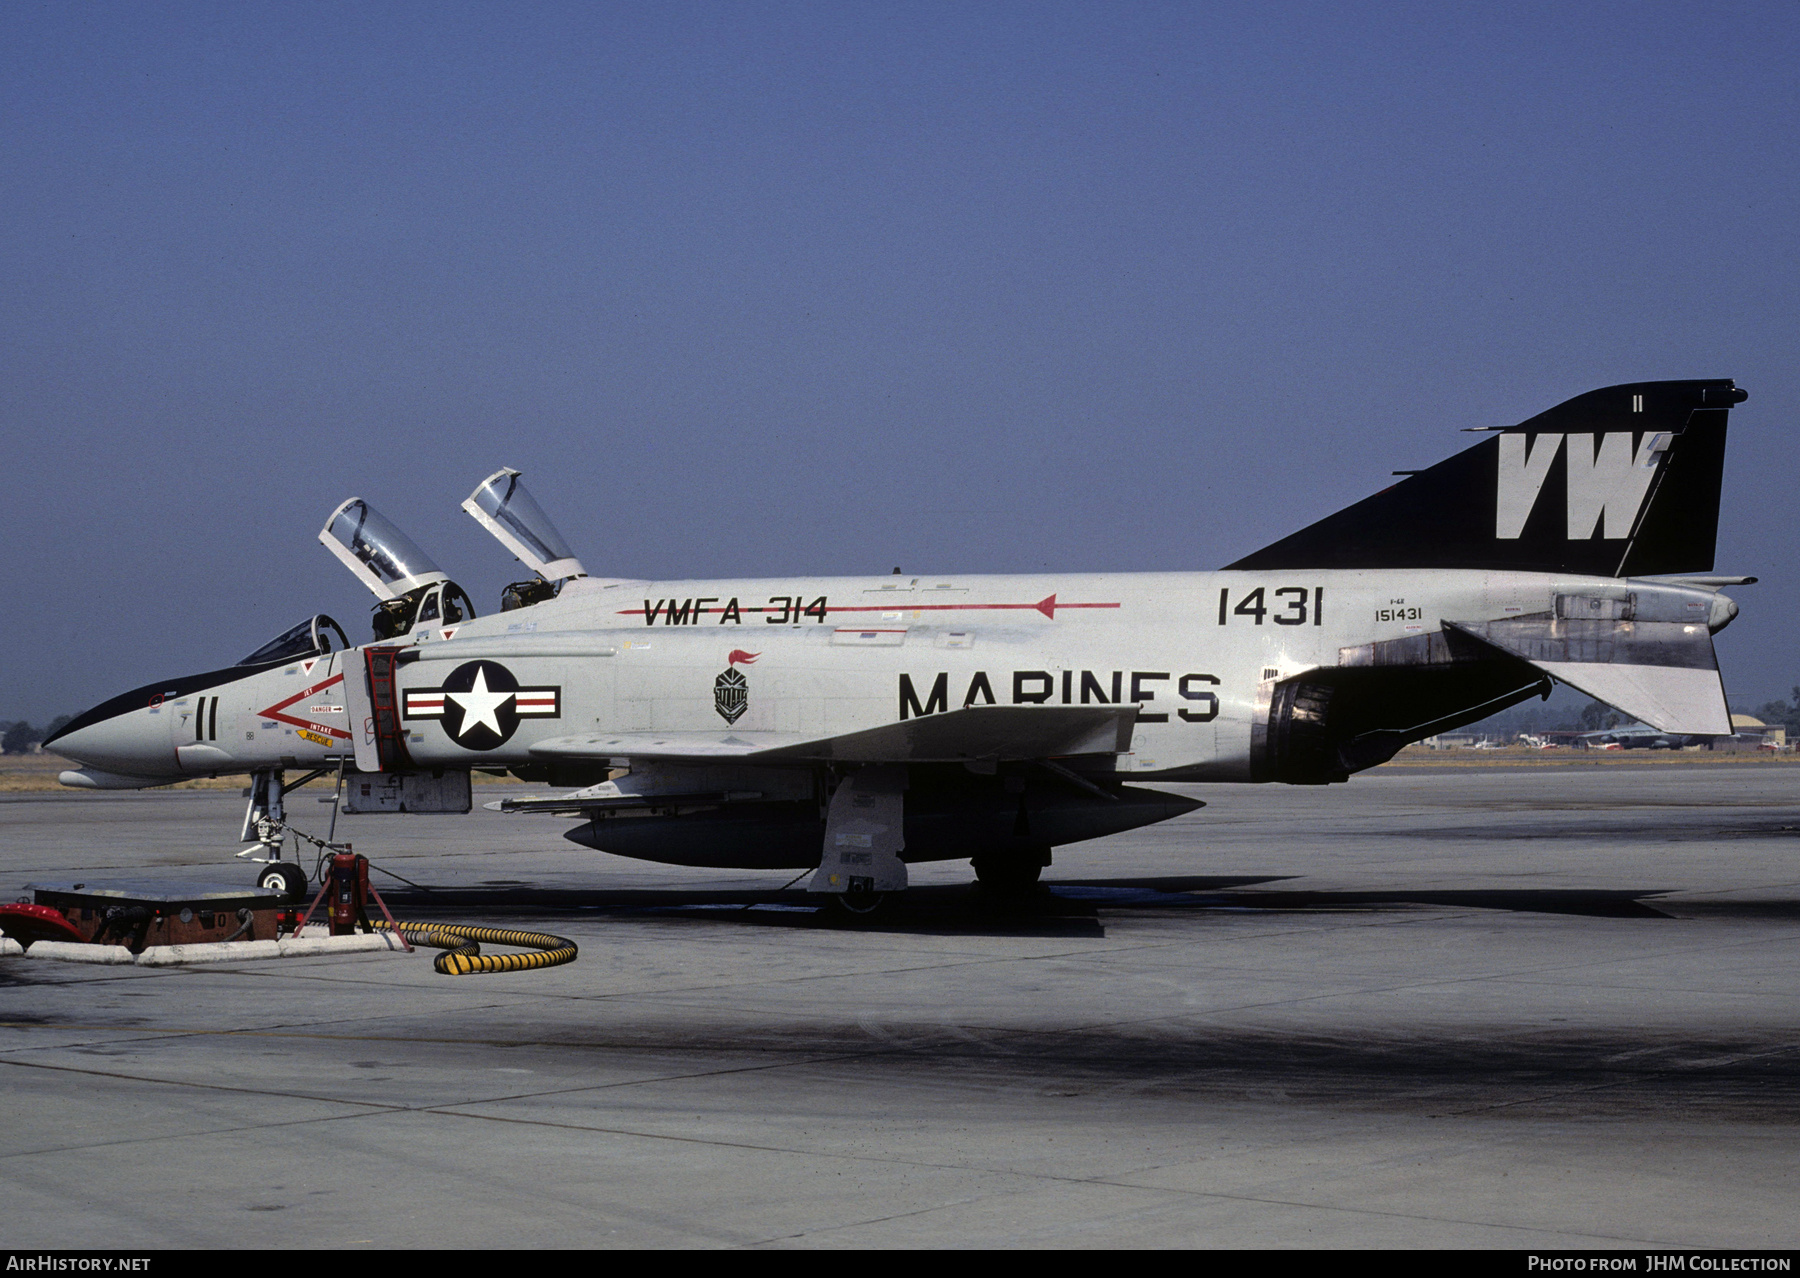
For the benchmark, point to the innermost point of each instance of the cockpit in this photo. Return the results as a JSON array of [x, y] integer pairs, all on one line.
[[502, 505], [311, 638], [409, 588], [444, 605], [412, 591]]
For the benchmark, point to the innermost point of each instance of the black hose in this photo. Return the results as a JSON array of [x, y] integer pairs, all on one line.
[[128, 925], [245, 921]]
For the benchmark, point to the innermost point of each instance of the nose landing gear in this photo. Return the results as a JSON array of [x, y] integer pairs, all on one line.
[[266, 820], [285, 877]]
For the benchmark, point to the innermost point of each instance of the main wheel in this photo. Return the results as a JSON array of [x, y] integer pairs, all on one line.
[[860, 901], [1009, 875], [285, 877]]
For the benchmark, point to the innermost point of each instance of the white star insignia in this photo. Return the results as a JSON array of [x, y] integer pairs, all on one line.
[[480, 707]]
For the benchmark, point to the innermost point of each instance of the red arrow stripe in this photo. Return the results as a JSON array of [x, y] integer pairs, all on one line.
[[275, 711], [1048, 606]]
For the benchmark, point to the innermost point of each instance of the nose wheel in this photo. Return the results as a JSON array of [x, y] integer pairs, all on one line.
[[285, 877]]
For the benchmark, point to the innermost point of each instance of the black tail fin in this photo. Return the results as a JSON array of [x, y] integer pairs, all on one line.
[[1617, 482]]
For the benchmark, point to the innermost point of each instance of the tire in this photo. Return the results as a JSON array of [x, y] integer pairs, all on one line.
[[861, 903], [1007, 876], [285, 877]]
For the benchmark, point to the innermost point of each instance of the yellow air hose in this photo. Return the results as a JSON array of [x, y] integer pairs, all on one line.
[[462, 947]]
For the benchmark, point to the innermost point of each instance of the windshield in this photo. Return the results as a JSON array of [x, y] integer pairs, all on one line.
[[358, 534], [313, 637]]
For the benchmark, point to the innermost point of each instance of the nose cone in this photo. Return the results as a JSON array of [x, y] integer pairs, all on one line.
[[129, 734]]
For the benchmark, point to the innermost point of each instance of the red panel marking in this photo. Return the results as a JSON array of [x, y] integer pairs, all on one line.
[[274, 711]]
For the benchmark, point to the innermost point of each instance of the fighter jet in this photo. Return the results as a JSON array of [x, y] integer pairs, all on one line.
[[853, 726]]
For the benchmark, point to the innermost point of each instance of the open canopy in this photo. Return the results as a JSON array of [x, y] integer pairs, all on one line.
[[503, 506], [383, 558]]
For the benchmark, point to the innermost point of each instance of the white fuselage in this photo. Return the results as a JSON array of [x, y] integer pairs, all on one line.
[[1197, 652]]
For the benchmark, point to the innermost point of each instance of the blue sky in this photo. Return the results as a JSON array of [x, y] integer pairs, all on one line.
[[769, 288]]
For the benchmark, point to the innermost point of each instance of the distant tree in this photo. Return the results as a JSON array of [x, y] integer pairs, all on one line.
[[19, 738], [1782, 713], [1597, 715], [1528, 718], [57, 725]]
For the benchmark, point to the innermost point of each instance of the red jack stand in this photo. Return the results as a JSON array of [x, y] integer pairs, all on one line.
[[347, 881]]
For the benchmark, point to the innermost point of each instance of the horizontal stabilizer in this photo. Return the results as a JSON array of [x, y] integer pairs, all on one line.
[[996, 733], [1663, 673], [1665, 697]]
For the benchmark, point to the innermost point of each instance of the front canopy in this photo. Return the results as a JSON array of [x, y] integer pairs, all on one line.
[[311, 638]]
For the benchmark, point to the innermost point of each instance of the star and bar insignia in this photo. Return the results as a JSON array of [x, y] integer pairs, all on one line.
[[481, 704]]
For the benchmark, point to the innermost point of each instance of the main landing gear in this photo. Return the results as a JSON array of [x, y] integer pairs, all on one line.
[[864, 828], [859, 900], [1011, 874]]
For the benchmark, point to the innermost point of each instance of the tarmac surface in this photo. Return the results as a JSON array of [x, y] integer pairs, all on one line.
[[1522, 1008]]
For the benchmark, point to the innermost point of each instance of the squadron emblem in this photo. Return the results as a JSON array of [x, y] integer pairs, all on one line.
[[731, 695], [731, 691], [481, 704]]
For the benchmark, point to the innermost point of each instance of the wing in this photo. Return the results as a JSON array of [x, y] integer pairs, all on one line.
[[993, 734]]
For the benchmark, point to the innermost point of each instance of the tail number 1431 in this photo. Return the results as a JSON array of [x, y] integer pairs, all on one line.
[[1284, 605]]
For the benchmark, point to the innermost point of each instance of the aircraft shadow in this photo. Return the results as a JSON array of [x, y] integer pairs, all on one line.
[[953, 909], [1058, 908], [1686, 1073]]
